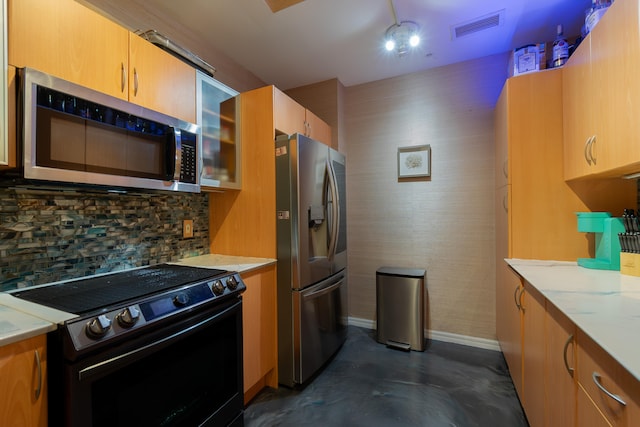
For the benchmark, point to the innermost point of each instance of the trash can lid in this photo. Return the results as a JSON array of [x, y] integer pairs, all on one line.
[[398, 271]]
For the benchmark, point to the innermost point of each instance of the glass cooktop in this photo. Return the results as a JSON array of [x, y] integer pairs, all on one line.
[[92, 293]]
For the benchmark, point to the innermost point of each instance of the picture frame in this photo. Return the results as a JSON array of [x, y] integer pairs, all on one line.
[[414, 162]]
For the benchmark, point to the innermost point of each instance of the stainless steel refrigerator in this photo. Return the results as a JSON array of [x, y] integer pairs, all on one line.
[[312, 256]]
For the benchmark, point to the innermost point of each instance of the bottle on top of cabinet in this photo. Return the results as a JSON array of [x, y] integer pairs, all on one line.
[[560, 49]]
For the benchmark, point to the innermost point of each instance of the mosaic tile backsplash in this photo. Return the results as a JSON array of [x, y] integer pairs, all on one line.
[[47, 236]]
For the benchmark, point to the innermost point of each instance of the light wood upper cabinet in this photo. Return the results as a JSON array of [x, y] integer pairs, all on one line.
[[8, 156], [75, 43], [577, 113], [291, 117], [70, 41], [541, 206], [23, 387], [602, 97], [160, 81], [317, 129]]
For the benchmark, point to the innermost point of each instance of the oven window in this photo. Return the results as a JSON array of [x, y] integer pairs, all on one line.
[[180, 385]]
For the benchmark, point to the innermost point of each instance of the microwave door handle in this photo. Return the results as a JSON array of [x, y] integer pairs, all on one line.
[[174, 154]]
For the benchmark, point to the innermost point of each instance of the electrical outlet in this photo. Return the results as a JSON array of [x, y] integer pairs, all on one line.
[[187, 228]]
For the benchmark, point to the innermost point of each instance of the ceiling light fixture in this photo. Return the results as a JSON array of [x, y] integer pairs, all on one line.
[[401, 36]]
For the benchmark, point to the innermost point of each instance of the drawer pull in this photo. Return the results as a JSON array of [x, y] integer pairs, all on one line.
[[564, 355], [596, 379]]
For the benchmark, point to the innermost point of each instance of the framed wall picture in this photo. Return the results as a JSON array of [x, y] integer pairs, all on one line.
[[414, 162]]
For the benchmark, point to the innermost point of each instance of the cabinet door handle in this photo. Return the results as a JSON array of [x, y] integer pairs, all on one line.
[[593, 143], [587, 144], [564, 355], [135, 82], [516, 298], [504, 203], [596, 379], [39, 368], [123, 77], [505, 169]]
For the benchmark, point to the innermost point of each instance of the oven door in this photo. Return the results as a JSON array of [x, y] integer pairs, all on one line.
[[188, 373]]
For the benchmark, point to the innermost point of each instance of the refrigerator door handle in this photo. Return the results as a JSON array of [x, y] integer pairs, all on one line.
[[334, 206]]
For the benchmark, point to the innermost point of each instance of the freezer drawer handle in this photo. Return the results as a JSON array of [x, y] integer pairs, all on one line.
[[324, 290]]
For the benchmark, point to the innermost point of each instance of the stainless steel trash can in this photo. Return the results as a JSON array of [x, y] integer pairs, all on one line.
[[400, 307]]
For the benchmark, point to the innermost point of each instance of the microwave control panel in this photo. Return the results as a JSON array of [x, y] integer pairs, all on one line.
[[189, 158]]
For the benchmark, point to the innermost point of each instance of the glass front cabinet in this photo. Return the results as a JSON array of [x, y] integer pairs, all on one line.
[[217, 109]]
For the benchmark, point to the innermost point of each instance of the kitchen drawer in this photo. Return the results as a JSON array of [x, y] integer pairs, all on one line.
[[588, 413], [614, 378]]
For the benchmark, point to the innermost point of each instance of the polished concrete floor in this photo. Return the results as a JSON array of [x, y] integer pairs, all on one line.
[[368, 384]]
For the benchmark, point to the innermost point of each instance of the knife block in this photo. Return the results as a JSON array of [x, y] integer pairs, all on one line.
[[606, 229], [629, 264]]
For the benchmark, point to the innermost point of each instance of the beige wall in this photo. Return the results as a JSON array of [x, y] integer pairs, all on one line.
[[444, 224]]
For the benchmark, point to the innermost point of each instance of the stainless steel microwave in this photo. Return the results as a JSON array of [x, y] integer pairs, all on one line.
[[73, 134]]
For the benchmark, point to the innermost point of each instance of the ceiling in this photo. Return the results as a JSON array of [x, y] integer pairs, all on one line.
[[317, 40]]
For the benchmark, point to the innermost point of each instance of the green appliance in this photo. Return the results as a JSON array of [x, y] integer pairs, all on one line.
[[606, 229]]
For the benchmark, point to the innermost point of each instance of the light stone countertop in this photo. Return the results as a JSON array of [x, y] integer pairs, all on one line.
[[228, 262], [16, 325], [604, 304], [20, 319]]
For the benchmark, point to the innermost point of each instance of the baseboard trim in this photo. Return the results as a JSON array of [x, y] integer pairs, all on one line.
[[484, 343]]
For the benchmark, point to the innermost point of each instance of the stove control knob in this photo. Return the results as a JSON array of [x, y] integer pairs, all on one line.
[[217, 287], [232, 283], [128, 317], [98, 327], [181, 299]]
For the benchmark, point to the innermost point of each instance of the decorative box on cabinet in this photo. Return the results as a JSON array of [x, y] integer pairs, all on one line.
[[23, 386], [217, 107], [50, 36]]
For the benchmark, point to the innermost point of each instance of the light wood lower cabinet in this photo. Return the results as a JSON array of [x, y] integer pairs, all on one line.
[[259, 331], [560, 372], [613, 391], [566, 379], [533, 355], [23, 386], [588, 413]]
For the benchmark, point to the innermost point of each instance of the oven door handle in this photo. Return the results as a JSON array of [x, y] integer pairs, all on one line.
[[95, 369]]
